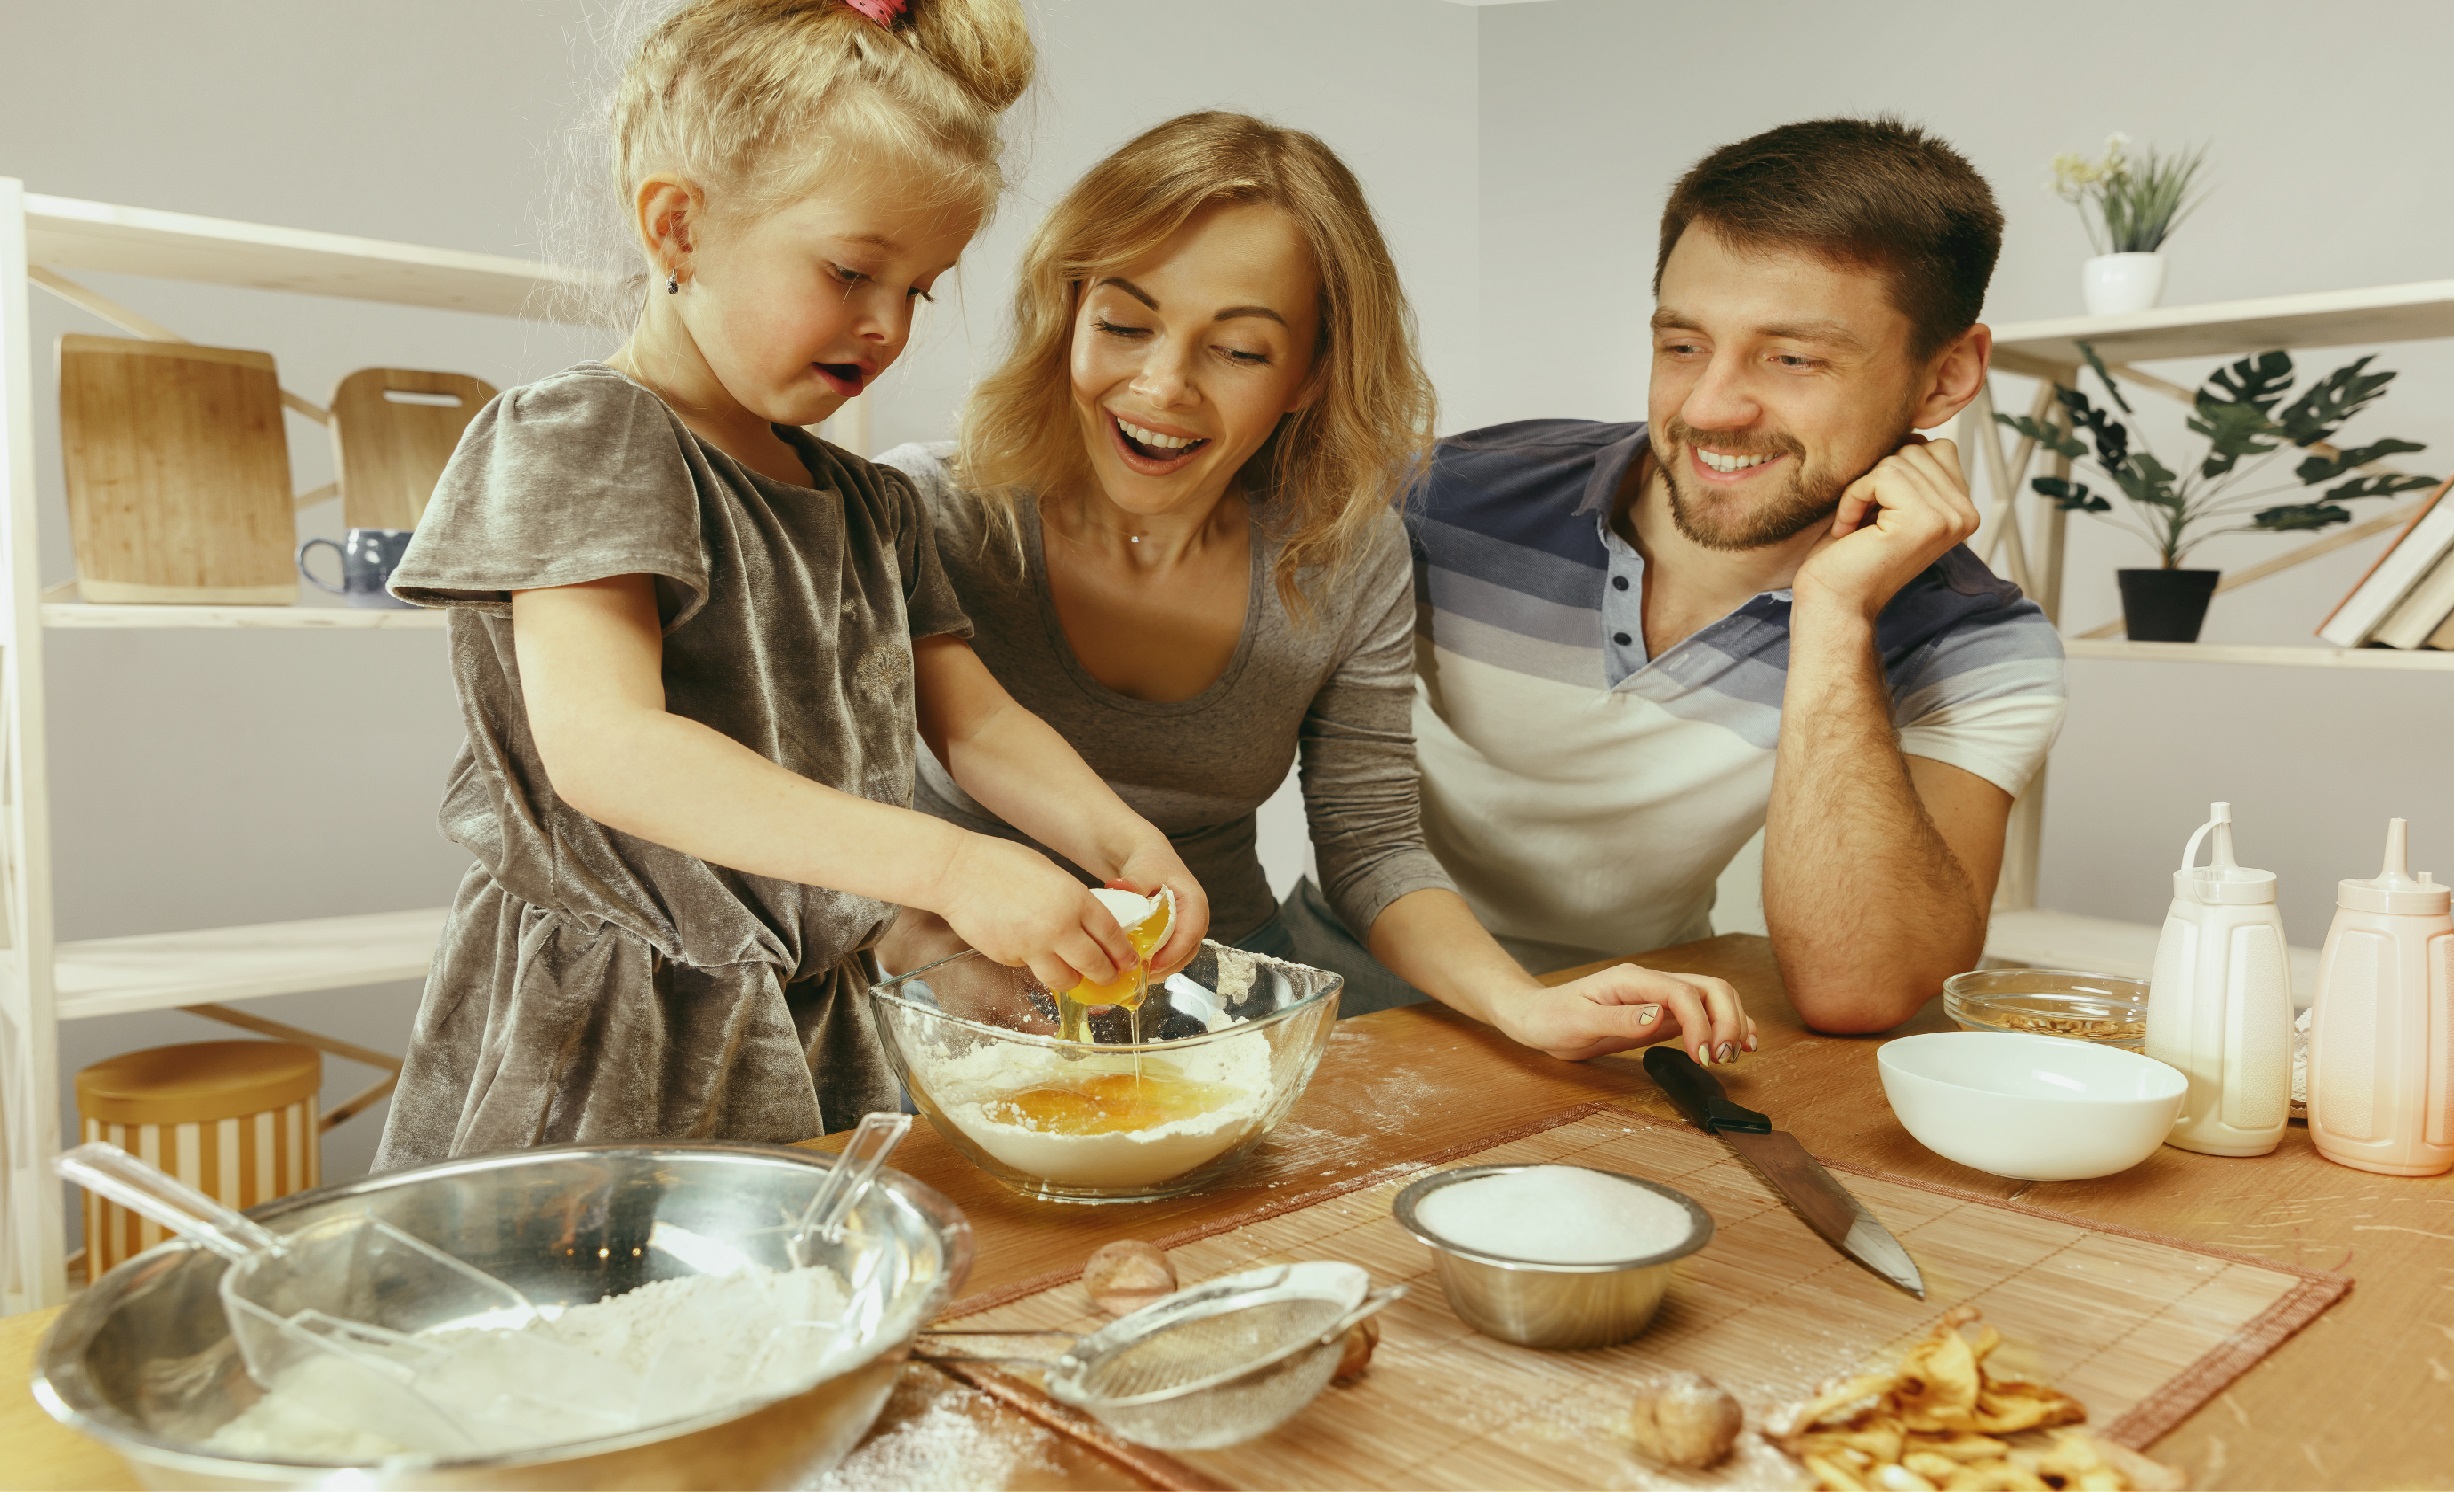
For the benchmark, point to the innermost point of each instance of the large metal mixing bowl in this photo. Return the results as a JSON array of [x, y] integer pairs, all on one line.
[[144, 1363]]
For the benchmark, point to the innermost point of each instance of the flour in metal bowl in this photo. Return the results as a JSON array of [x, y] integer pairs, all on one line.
[[1555, 1215]]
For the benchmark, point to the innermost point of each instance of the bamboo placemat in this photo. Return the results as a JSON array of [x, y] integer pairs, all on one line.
[[2141, 1329]]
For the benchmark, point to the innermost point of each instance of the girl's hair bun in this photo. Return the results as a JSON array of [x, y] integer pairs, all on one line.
[[748, 96], [984, 46]]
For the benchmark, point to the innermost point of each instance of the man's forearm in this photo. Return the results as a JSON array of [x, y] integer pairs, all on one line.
[[1868, 908]]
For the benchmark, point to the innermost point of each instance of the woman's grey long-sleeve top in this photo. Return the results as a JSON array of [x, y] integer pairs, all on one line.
[[1335, 687]]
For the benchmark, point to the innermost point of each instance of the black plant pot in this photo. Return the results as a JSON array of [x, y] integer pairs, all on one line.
[[2166, 605]]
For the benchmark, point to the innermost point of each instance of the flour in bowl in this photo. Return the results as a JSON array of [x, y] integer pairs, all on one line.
[[1555, 1215], [666, 1351]]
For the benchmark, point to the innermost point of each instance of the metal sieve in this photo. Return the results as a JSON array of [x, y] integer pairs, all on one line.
[[1214, 1365]]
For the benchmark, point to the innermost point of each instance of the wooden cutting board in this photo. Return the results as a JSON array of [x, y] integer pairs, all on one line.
[[2141, 1329], [392, 431], [178, 473]]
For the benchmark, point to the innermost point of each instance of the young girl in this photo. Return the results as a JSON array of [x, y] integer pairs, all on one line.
[[1172, 515], [693, 645]]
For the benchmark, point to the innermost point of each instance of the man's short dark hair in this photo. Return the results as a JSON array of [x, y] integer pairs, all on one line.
[[1875, 193]]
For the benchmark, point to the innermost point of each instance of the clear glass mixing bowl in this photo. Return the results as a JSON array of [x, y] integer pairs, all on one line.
[[1227, 1044]]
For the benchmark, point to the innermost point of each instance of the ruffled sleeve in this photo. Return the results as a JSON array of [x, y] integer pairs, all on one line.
[[577, 477]]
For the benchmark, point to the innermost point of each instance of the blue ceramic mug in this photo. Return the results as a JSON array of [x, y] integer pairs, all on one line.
[[368, 558]]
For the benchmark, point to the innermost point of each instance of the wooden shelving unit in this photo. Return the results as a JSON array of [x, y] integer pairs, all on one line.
[[2415, 660], [43, 241], [2024, 537], [79, 615]]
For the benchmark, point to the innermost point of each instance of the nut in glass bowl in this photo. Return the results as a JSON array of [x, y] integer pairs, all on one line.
[[1165, 1099], [2109, 1009]]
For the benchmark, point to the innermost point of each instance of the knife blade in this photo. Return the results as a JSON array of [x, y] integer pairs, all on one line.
[[1821, 1202]]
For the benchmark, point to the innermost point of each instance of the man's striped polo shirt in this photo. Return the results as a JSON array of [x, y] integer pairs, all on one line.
[[1584, 796]]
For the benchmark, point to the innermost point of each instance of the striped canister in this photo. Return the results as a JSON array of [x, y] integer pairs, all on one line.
[[234, 1119]]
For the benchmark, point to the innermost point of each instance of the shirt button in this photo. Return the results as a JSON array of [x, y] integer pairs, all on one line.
[[1621, 638], [1618, 582]]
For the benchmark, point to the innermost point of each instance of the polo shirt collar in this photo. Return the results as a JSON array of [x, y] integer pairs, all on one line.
[[1622, 613]]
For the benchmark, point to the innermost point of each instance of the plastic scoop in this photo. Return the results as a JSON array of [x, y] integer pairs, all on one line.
[[272, 1289], [847, 1181], [694, 1359], [331, 1316]]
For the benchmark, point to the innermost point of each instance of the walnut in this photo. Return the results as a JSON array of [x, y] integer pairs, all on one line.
[[1685, 1420], [1361, 1338], [1124, 1276]]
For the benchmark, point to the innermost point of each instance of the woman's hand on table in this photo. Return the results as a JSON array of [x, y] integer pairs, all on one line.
[[1149, 869], [1626, 1006]]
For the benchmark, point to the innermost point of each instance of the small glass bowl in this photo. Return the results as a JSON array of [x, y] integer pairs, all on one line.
[[965, 1033], [2107, 1009]]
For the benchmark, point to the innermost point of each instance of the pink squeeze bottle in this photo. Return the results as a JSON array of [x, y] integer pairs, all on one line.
[[2381, 1036]]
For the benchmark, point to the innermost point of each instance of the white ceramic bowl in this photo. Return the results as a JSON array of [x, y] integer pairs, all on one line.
[[2034, 1108]]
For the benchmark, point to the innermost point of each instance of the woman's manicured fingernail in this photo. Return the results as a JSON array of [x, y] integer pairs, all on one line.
[[1751, 1043], [1729, 1053], [1649, 1015]]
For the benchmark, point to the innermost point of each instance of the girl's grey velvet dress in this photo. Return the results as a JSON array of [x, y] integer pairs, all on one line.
[[591, 985]]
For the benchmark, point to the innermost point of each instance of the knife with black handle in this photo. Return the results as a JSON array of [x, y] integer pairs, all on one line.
[[1777, 1156]]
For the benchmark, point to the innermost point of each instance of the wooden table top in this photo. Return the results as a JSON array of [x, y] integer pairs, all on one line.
[[2364, 1397]]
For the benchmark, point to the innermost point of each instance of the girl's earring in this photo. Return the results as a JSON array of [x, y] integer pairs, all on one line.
[[673, 283]]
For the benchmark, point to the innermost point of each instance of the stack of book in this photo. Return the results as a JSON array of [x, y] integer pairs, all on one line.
[[2407, 598]]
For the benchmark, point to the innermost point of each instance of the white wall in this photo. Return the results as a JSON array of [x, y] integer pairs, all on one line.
[[2328, 173]]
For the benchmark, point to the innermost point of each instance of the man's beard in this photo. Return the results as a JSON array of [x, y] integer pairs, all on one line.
[[1810, 498]]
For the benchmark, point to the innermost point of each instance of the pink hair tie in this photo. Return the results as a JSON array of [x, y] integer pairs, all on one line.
[[881, 11]]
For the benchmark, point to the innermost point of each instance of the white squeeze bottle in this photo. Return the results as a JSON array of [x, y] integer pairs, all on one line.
[[2219, 1005], [2381, 1038]]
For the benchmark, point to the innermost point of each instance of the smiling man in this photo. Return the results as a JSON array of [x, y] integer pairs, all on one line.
[[1638, 643]]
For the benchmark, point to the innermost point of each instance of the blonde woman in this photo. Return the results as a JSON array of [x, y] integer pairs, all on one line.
[[1172, 520]]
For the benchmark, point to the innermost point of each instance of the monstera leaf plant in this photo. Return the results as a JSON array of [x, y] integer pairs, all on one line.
[[2252, 421]]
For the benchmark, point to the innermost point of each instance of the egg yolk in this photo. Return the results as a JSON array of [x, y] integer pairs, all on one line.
[[1124, 989], [1110, 1103]]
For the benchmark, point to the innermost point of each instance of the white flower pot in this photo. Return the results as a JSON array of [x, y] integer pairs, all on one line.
[[2118, 284]]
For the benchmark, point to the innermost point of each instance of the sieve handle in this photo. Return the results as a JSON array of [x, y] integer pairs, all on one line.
[[929, 1346], [1373, 1305], [109, 1171]]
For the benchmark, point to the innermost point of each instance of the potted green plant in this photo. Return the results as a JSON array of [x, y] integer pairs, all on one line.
[[2131, 205], [2243, 413]]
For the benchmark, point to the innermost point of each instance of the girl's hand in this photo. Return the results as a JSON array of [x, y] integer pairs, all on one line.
[[1017, 907], [1143, 875], [1626, 1006]]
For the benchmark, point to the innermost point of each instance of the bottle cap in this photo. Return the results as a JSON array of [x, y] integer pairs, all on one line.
[[2222, 881], [2396, 889]]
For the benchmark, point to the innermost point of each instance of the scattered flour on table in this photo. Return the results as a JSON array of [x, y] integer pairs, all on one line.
[[945, 1448], [1555, 1215], [662, 1352], [965, 1087]]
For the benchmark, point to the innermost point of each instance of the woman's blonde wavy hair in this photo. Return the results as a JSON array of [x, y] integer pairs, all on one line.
[[1330, 467], [751, 99]]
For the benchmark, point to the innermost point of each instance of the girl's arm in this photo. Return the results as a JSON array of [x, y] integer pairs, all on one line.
[[591, 676], [1019, 768]]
